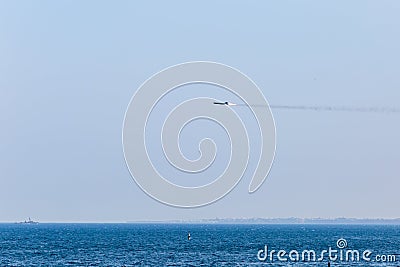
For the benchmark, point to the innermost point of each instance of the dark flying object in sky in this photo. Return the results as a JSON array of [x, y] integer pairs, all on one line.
[[225, 103]]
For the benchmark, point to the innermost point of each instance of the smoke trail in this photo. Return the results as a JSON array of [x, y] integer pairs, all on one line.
[[332, 108], [340, 108]]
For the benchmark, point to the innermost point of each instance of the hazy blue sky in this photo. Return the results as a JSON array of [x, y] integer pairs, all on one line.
[[69, 68]]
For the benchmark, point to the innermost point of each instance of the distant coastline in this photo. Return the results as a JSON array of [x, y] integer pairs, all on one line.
[[292, 220]]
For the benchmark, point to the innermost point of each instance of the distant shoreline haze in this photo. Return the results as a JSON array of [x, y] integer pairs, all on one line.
[[281, 221], [356, 221]]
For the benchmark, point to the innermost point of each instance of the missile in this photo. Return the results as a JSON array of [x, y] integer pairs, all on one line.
[[224, 103]]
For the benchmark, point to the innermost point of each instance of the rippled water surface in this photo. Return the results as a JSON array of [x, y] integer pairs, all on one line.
[[167, 244]]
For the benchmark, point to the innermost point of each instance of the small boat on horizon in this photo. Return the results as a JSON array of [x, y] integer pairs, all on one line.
[[29, 221]]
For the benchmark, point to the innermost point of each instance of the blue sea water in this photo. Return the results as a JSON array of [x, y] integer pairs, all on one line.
[[167, 244]]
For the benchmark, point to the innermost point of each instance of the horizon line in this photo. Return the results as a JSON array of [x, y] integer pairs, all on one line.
[[281, 220]]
